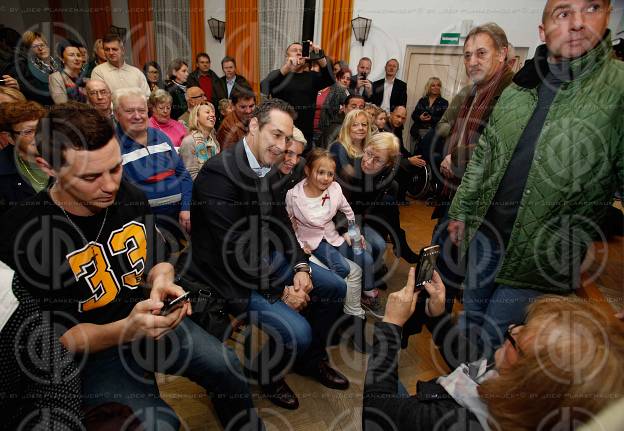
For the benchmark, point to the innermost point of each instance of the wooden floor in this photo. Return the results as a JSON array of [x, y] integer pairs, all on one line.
[[325, 409]]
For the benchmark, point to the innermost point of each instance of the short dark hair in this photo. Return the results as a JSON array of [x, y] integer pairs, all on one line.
[[112, 37], [174, 66], [67, 43], [226, 59], [241, 93], [262, 111], [200, 55], [342, 72], [350, 97], [71, 125]]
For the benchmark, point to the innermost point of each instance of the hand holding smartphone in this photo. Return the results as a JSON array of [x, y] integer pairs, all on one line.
[[426, 264], [174, 304]]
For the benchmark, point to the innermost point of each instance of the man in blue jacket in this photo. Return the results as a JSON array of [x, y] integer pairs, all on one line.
[[150, 160]]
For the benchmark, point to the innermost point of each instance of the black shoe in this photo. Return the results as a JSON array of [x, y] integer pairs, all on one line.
[[281, 395], [358, 338], [329, 377]]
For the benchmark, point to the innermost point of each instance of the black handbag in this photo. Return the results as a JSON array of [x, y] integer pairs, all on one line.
[[209, 308]]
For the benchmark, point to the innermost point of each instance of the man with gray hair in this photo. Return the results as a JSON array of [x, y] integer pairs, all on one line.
[[486, 52], [150, 160], [99, 96], [545, 171]]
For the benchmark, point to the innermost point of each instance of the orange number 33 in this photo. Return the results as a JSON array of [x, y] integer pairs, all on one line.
[[92, 264]]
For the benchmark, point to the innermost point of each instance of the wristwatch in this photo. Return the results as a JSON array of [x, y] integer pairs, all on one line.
[[303, 267]]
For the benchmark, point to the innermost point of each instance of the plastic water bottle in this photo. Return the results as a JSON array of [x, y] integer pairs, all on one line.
[[356, 238]]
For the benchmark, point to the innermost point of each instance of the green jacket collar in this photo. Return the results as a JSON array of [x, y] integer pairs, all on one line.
[[536, 69]]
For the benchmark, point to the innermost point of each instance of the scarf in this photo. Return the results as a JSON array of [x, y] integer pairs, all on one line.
[[472, 118]]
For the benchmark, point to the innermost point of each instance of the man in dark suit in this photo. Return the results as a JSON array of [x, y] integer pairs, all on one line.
[[253, 259], [231, 79], [390, 92]]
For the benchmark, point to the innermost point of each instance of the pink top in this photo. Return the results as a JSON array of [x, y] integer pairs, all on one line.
[[172, 128], [312, 223]]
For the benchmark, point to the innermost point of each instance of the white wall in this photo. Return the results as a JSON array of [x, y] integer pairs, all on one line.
[[216, 50], [399, 23]]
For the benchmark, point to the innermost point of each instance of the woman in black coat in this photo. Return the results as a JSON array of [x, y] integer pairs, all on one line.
[[429, 110]]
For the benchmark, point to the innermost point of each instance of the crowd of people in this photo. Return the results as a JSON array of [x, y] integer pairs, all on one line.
[[123, 189]]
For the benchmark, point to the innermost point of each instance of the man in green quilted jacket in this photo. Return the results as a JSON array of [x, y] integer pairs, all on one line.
[[544, 171]]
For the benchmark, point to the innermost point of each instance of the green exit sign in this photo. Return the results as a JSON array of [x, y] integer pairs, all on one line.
[[449, 39]]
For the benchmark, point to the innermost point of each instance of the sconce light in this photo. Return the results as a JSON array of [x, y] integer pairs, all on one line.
[[217, 28], [361, 27]]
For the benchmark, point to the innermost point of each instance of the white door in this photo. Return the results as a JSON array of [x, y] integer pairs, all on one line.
[[444, 62]]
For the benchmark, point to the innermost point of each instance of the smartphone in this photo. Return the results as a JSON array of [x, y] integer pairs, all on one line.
[[426, 264], [174, 304], [306, 48], [2, 82]]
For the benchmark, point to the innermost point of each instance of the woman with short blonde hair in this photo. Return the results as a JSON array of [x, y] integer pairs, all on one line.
[[201, 144]]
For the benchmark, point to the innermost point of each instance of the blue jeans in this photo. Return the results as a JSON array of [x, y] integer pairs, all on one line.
[[376, 245], [291, 334], [331, 257], [125, 374], [489, 308]]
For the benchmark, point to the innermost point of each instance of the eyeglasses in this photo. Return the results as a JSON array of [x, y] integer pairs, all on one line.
[[375, 160], [201, 96], [98, 93], [38, 45], [509, 335], [25, 132]]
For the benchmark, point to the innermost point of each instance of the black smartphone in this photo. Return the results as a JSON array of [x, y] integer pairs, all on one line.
[[426, 265], [306, 48], [2, 82], [174, 304]]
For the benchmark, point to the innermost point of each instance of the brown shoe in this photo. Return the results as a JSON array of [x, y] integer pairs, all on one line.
[[329, 377], [281, 395]]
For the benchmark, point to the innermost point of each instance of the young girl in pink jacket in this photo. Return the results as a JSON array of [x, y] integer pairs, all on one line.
[[311, 206]]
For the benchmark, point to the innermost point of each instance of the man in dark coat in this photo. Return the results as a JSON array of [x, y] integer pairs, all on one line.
[[204, 78], [299, 86], [390, 91], [252, 258]]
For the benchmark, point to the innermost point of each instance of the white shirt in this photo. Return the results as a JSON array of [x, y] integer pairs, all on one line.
[[385, 103], [319, 209], [125, 76], [230, 85], [253, 162]]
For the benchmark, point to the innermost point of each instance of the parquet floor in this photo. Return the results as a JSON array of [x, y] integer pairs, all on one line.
[[325, 409]]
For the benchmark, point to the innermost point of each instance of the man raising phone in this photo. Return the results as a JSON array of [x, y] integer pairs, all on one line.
[[297, 85], [88, 250]]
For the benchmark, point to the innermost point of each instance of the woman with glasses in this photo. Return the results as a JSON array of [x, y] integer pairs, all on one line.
[[160, 106], [37, 67], [20, 177], [68, 83], [153, 74], [201, 144], [555, 371]]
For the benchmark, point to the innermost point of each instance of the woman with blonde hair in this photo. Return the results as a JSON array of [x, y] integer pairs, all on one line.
[[201, 144], [352, 138], [428, 110], [560, 367]]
